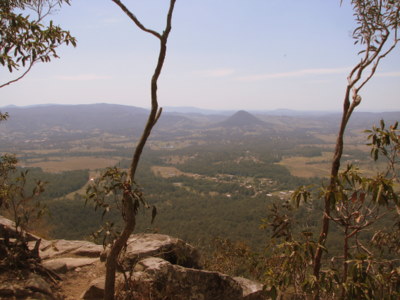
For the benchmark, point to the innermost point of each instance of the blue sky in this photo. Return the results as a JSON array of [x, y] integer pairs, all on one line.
[[222, 54]]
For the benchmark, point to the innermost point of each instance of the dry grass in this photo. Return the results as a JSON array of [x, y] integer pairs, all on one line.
[[318, 166], [60, 164], [166, 172]]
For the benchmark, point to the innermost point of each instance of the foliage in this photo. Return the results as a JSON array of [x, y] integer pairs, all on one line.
[[234, 258], [386, 142], [358, 203], [24, 208], [26, 39], [377, 21], [15, 201], [109, 191], [3, 116]]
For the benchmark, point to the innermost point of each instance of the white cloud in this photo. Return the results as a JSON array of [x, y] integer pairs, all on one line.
[[299, 73], [215, 72], [84, 77]]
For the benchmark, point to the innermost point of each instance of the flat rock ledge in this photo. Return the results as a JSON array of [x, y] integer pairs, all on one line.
[[157, 267], [155, 278]]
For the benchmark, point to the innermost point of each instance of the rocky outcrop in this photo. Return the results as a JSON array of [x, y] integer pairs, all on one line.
[[156, 267], [155, 278], [163, 246]]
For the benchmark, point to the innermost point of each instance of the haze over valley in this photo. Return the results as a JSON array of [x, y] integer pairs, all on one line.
[[209, 173]]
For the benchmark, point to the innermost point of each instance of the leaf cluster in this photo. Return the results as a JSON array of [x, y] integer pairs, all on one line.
[[375, 20], [25, 40], [385, 142], [16, 201], [112, 190]]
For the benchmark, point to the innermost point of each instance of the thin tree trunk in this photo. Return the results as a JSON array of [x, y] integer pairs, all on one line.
[[155, 113], [347, 110]]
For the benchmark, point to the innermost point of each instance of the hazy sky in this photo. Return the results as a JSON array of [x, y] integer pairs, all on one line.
[[222, 54]]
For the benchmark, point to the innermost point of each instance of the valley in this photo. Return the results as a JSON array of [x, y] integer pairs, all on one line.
[[209, 175]]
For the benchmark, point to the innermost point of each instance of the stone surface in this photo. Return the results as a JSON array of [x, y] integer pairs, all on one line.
[[171, 249], [65, 264], [9, 226], [155, 278], [96, 287], [56, 248], [38, 284], [95, 290], [159, 267], [252, 290], [32, 287]]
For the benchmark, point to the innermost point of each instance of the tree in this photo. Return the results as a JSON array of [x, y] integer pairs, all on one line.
[[378, 22], [27, 39], [121, 183]]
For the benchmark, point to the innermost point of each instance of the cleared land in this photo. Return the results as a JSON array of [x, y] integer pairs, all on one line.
[[308, 166], [60, 164]]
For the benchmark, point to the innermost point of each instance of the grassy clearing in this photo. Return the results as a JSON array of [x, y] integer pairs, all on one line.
[[318, 166], [166, 172], [60, 164]]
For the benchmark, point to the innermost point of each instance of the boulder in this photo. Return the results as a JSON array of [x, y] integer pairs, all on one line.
[[163, 246], [155, 278]]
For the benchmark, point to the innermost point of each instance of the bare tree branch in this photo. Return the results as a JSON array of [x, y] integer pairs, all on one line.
[[134, 19], [20, 77]]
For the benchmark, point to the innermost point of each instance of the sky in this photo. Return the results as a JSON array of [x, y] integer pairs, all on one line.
[[222, 54]]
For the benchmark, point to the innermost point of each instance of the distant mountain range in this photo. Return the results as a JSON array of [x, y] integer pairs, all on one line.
[[120, 119]]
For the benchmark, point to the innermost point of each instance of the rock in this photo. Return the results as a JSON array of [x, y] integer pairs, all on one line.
[[56, 248], [38, 284], [171, 249], [32, 287], [96, 287], [95, 290], [155, 278], [252, 290], [8, 226], [64, 264]]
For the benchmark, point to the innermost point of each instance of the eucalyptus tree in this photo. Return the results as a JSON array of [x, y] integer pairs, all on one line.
[[122, 184], [378, 22], [26, 37]]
